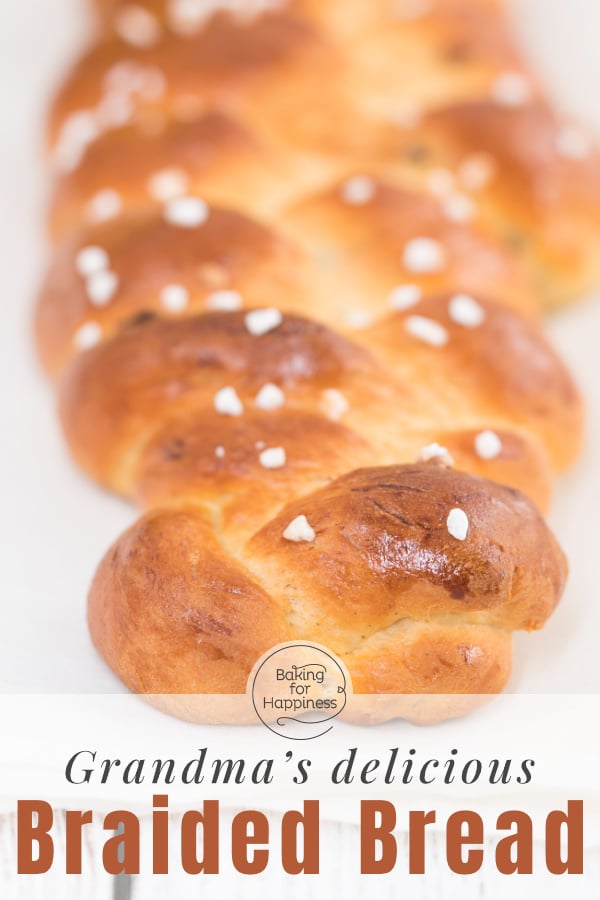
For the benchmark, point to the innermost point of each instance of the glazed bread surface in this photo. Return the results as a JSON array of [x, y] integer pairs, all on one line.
[[301, 254]]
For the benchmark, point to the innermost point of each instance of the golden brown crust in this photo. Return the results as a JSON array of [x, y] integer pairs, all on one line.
[[346, 468], [433, 659], [212, 156], [435, 611], [404, 562], [458, 46], [520, 462], [250, 87], [504, 368], [230, 252], [165, 610], [541, 192], [181, 462], [365, 245], [327, 258], [257, 72], [116, 397]]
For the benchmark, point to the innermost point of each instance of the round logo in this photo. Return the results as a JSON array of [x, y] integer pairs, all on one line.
[[297, 689]]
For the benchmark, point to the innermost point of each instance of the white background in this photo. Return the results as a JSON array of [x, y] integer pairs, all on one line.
[[56, 525]]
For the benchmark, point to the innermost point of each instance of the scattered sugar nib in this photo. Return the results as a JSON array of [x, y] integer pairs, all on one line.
[[427, 331], [104, 206], [87, 336], [186, 212], [471, 654], [101, 287], [90, 260], [128, 77], [334, 404], [269, 397], [174, 297], [77, 133], [186, 17], [436, 452], [219, 452], [168, 184], [224, 301], [272, 458], [261, 321], [465, 311], [136, 26], [488, 445], [357, 319], [459, 208], [457, 524], [404, 296], [299, 530], [477, 171], [424, 256], [227, 402], [512, 89], [358, 190], [114, 111]]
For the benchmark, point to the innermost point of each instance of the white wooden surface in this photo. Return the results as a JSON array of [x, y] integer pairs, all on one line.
[[339, 879]]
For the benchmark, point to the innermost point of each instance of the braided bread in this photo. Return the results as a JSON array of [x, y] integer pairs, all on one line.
[[301, 254]]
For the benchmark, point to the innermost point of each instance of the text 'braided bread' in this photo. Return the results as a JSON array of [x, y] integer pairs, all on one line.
[[301, 253]]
